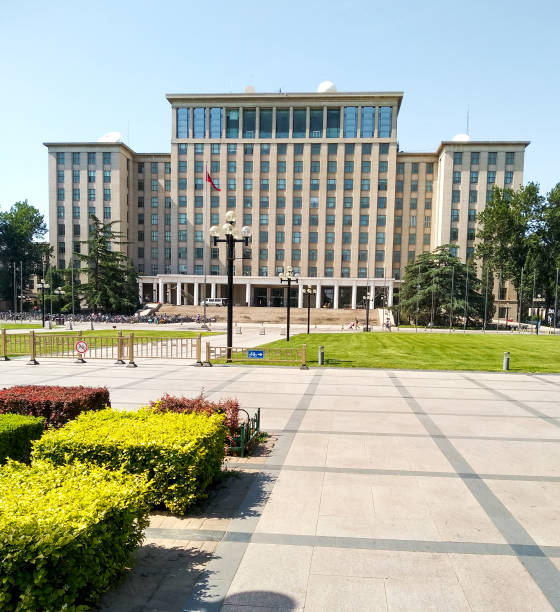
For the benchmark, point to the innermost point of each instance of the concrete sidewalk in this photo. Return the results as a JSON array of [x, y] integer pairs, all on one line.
[[385, 490]]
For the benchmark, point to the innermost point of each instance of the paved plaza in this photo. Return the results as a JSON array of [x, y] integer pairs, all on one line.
[[382, 490]]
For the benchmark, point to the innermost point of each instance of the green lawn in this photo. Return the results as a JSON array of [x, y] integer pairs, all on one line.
[[20, 326], [455, 351]]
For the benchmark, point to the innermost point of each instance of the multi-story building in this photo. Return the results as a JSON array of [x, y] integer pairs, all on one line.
[[318, 177]]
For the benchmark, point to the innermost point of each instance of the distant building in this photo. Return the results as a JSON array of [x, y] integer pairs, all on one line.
[[317, 176]]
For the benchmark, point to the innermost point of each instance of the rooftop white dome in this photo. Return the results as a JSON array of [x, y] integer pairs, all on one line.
[[461, 138], [326, 87]]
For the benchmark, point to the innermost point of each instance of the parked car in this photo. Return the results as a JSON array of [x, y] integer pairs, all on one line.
[[214, 302]]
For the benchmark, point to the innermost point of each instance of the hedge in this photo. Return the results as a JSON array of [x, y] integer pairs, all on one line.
[[16, 433], [180, 453], [66, 533], [200, 405], [56, 404]]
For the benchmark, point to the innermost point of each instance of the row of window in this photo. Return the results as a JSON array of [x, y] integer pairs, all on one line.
[[490, 177], [475, 158], [76, 158], [454, 233], [76, 194], [315, 167], [282, 149], [320, 123], [90, 176], [413, 186], [414, 167]]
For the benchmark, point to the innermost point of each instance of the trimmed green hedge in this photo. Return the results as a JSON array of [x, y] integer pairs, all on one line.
[[16, 433], [180, 453], [66, 533]]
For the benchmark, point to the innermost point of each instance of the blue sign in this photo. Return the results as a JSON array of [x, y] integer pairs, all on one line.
[[255, 354]]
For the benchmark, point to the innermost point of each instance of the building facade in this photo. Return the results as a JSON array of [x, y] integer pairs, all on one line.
[[318, 177]]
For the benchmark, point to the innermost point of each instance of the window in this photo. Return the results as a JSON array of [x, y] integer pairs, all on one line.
[[474, 176], [298, 167], [312, 254], [491, 177], [76, 194], [380, 238], [313, 202], [382, 185], [182, 218], [91, 195], [470, 233], [183, 122], [510, 158], [399, 203], [492, 157], [414, 185], [154, 184], [313, 237], [381, 220], [155, 201], [457, 159], [455, 196], [75, 159], [364, 220], [349, 148], [199, 236], [263, 202], [76, 229], [454, 215], [75, 176], [216, 123], [231, 184], [347, 202], [282, 122], [412, 220], [330, 220], [315, 166], [366, 167], [331, 166], [429, 186], [329, 272], [398, 220], [364, 202], [413, 203], [316, 123], [379, 273], [475, 159], [140, 185], [385, 121], [154, 218], [380, 255], [347, 220], [182, 151], [296, 254], [296, 219], [366, 148], [384, 148], [346, 237], [140, 218], [280, 237], [199, 123], [91, 176], [508, 177], [263, 219], [264, 184], [329, 255], [298, 122], [60, 212], [107, 195], [427, 221], [247, 184], [333, 122], [400, 186], [368, 122], [350, 121], [329, 237], [281, 167], [428, 204], [106, 212], [453, 233], [472, 214], [426, 239], [473, 195], [349, 184], [182, 235], [364, 186], [363, 238], [456, 177], [199, 148], [297, 184], [412, 239], [76, 212], [296, 237], [106, 176], [265, 166], [60, 176], [281, 184]]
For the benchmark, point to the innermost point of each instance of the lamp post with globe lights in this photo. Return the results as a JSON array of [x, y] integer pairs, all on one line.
[[230, 234], [288, 277]]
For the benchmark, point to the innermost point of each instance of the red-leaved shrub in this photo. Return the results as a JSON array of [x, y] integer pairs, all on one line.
[[56, 404], [200, 405]]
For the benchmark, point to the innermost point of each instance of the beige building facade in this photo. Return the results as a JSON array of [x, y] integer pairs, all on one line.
[[318, 177]]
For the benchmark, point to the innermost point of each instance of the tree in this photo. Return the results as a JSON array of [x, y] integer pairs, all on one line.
[[111, 279], [509, 226], [435, 288], [20, 229]]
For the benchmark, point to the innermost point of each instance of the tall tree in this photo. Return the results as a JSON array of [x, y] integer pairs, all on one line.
[[443, 290], [20, 230], [111, 279], [508, 227]]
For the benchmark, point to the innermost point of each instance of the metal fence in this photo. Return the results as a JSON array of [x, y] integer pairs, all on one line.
[[120, 348], [282, 355]]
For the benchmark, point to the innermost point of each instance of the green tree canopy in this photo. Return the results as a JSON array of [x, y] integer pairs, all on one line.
[[111, 279], [21, 229], [442, 290]]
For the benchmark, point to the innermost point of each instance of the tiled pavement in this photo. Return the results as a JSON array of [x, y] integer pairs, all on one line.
[[385, 490]]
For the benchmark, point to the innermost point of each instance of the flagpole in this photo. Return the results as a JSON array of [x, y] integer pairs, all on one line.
[[206, 238]]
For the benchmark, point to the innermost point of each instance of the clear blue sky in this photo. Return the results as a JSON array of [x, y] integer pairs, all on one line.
[[72, 71]]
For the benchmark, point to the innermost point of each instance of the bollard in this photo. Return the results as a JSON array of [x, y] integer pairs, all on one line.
[[304, 365], [239, 330], [505, 365], [120, 359], [262, 331], [80, 357], [32, 349], [321, 356], [91, 325], [198, 350], [207, 363], [131, 363]]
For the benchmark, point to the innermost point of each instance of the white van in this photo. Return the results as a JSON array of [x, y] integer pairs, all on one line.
[[214, 302]]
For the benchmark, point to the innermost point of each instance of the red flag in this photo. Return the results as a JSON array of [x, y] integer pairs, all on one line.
[[209, 180]]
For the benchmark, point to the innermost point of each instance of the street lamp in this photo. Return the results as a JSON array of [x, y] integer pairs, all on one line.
[[383, 299], [309, 291], [289, 277], [417, 307], [539, 300], [366, 298], [42, 286], [58, 292], [230, 235]]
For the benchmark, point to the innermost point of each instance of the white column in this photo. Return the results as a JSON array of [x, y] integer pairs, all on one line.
[[141, 292], [354, 296], [318, 296], [300, 296], [336, 295], [248, 293], [195, 293], [390, 295], [213, 290], [179, 291], [161, 295]]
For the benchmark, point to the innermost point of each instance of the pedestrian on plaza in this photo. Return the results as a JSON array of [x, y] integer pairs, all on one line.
[[388, 324]]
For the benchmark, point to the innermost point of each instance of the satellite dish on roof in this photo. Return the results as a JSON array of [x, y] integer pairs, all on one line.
[[461, 138], [326, 87], [111, 137], [250, 89]]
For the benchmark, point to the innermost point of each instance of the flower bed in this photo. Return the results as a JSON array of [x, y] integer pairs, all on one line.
[[16, 433], [66, 533], [181, 454], [56, 404]]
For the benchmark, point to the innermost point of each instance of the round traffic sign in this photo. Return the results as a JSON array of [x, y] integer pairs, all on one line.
[[81, 346]]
